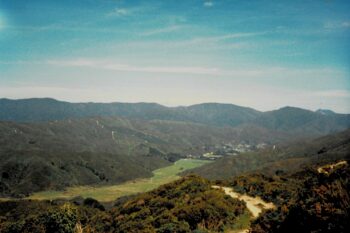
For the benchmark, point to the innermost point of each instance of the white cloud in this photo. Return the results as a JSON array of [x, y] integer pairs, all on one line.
[[2, 23], [335, 25], [131, 11], [252, 72], [277, 73], [57, 27], [345, 24], [208, 4], [191, 70], [162, 30], [119, 12], [226, 37], [21, 62], [204, 42], [110, 65]]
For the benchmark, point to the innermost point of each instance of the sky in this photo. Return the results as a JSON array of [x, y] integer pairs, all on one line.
[[261, 54]]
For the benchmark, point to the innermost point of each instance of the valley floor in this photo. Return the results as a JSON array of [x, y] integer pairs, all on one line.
[[111, 192]]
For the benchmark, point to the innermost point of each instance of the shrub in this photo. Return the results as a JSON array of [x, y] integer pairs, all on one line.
[[61, 220]]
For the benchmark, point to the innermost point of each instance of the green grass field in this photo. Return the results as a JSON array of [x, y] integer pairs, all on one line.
[[111, 192]]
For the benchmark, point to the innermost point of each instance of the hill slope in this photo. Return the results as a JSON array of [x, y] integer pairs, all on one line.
[[310, 200], [303, 122], [281, 159], [56, 154]]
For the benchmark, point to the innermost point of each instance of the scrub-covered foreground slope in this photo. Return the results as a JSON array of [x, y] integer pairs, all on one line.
[[186, 205], [314, 199]]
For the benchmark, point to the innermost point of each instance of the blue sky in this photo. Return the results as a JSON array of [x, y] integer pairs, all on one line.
[[262, 54]]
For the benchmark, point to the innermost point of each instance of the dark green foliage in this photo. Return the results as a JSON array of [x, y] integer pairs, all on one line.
[[12, 227], [62, 221], [184, 205], [93, 203], [276, 189], [39, 217], [174, 227]]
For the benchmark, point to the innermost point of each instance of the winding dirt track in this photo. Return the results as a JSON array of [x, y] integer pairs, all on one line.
[[327, 169], [254, 204]]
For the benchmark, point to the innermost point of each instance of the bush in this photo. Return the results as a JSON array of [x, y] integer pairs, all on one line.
[[61, 220], [174, 227], [93, 203]]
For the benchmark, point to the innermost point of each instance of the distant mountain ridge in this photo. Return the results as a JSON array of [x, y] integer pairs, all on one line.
[[46, 109], [325, 111], [291, 119]]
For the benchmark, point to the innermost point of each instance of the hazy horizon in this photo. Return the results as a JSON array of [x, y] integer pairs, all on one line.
[[259, 54]]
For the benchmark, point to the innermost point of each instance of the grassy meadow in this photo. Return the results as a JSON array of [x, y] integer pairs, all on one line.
[[111, 192]]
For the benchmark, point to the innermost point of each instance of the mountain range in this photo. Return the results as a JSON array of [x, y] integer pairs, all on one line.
[[289, 119], [56, 154], [49, 144]]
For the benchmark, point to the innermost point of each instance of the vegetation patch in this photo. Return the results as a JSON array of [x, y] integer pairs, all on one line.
[[186, 205], [111, 192]]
